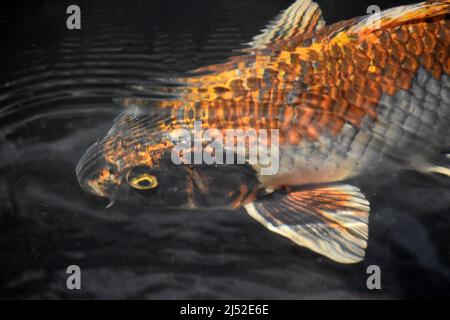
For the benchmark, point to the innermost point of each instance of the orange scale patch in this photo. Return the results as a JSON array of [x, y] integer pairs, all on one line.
[[444, 33], [441, 53], [388, 85], [403, 34], [341, 107], [325, 120], [334, 92], [429, 40], [380, 56], [436, 71], [313, 132], [428, 59], [404, 80], [411, 64], [446, 66], [355, 99], [415, 46], [294, 136], [354, 115], [371, 90], [347, 67], [288, 114], [304, 116], [254, 83], [336, 125], [398, 51]]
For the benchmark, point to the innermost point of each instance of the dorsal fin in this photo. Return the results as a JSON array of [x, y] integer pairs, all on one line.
[[301, 17]]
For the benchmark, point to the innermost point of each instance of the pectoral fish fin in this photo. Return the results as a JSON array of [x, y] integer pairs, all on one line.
[[331, 220], [439, 166], [440, 170], [301, 17]]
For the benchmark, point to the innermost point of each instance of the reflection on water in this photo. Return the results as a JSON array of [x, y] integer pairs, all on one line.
[[56, 98]]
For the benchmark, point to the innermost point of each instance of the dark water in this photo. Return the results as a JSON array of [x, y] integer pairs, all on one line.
[[57, 89]]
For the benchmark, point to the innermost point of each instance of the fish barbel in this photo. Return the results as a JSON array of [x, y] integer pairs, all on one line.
[[360, 97]]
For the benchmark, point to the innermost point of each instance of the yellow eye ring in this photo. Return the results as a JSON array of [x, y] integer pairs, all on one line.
[[143, 182]]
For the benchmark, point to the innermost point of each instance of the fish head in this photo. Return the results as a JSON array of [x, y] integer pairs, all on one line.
[[134, 163], [134, 176]]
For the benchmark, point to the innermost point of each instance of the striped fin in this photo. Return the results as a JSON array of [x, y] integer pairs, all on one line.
[[438, 165], [301, 17], [332, 220], [440, 170]]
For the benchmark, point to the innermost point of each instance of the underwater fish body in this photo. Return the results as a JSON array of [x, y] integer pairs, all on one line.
[[361, 97]]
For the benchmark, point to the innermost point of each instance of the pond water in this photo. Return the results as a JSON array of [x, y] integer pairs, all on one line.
[[59, 93]]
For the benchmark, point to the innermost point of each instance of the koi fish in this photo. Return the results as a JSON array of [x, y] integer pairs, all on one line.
[[366, 96]]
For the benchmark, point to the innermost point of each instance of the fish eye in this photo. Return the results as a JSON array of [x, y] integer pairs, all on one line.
[[142, 181]]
